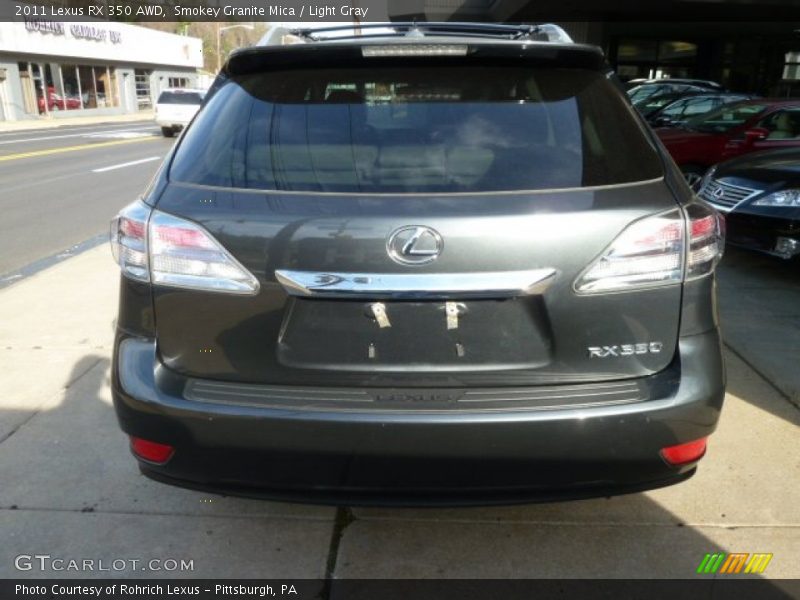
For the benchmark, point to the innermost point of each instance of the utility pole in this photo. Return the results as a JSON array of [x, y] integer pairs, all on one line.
[[219, 40]]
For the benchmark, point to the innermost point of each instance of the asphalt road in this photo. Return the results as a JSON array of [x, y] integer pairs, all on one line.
[[61, 187]]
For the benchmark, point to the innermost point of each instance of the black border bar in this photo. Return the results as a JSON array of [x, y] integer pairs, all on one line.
[[373, 11], [707, 588]]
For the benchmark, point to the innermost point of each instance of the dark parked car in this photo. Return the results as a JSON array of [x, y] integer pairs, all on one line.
[[418, 268], [760, 194], [731, 131], [676, 109], [658, 87], [702, 83]]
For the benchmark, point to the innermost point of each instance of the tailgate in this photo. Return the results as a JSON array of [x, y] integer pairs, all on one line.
[[533, 329], [417, 222]]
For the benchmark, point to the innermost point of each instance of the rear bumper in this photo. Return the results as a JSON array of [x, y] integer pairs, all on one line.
[[174, 123], [299, 450]]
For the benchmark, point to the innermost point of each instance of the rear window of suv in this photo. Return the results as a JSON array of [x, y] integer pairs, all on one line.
[[416, 130], [180, 98]]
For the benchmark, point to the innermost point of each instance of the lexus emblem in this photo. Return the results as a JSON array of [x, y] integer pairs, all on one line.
[[414, 245]]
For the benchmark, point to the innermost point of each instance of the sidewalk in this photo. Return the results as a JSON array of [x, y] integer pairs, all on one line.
[[75, 491], [53, 123], [759, 304]]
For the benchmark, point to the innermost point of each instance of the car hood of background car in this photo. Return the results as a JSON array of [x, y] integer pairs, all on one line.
[[770, 166]]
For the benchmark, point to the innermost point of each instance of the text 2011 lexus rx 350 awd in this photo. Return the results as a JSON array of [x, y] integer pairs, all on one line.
[[418, 269]]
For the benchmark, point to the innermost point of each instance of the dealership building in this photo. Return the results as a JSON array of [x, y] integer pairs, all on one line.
[[63, 69], [747, 45], [756, 57]]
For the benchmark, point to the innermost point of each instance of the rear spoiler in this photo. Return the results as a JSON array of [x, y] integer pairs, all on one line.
[[542, 32], [351, 53]]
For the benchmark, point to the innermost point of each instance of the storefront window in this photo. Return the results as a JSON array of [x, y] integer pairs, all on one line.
[[113, 89], [53, 87], [88, 90], [655, 59], [72, 90], [28, 88], [58, 100], [101, 85], [791, 69], [143, 98], [676, 52], [178, 82], [38, 86], [637, 51]]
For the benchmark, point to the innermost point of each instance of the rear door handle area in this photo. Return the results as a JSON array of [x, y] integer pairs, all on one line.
[[416, 286]]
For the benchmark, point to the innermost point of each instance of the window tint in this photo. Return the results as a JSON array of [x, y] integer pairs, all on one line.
[[699, 106], [675, 109], [655, 102], [782, 124], [420, 130], [641, 93], [726, 118], [180, 98]]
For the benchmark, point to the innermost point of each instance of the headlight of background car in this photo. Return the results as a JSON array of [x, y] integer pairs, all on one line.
[[788, 198]]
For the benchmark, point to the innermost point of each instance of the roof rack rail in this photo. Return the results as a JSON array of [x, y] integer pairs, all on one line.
[[546, 32]]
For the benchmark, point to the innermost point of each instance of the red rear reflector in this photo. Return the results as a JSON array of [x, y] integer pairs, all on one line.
[[179, 236], [131, 228], [684, 453], [152, 451], [702, 228]]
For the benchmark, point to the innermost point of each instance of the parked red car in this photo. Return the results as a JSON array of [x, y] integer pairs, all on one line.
[[56, 102], [731, 131]]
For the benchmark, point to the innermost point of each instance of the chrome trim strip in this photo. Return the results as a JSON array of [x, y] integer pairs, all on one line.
[[591, 188], [503, 284]]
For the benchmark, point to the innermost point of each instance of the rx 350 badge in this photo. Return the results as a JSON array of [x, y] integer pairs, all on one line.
[[625, 350]]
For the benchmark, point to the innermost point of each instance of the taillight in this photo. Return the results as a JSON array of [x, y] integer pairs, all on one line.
[[707, 240], [648, 253], [129, 240], [153, 246], [658, 250], [183, 254]]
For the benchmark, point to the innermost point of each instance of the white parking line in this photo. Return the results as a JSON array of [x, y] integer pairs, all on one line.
[[61, 129], [121, 135], [127, 164], [72, 135]]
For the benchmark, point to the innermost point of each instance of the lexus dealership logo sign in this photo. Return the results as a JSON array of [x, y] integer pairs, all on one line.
[[78, 30]]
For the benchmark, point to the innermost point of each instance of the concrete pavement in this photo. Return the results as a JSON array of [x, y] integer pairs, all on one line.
[[69, 488], [44, 123], [760, 300]]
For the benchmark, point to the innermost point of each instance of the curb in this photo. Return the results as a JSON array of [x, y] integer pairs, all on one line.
[[46, 124], [12, 277]]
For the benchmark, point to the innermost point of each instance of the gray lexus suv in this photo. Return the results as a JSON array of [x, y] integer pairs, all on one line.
[[434, 263]]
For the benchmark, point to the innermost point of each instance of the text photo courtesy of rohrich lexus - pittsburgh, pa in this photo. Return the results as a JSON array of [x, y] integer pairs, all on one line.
[[377, 299]]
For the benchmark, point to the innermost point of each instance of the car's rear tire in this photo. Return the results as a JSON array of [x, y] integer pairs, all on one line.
[[168, 131], [693, 174]]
